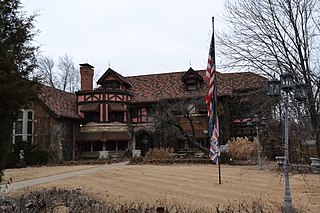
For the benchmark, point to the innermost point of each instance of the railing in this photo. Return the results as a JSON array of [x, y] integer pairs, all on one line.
[[102, 154], [315, 165], [136, 153], [280, 160], [94, 154]]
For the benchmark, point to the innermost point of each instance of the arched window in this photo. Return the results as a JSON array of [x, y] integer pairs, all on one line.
[[24, 126]]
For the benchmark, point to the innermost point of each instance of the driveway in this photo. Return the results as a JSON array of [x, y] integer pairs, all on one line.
[[32, 182]]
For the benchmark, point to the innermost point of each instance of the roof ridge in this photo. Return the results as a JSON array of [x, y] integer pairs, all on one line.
[[60, 90], [155, 74]]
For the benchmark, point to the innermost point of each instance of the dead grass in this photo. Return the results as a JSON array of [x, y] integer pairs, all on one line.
[[36, 172], [195, 185], [242, 148]]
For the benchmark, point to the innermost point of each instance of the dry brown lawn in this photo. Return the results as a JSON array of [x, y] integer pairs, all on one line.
[[28, 173], [194, 185]]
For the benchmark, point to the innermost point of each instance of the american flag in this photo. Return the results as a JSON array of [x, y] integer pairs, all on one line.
[[211, 101], [214, 151]]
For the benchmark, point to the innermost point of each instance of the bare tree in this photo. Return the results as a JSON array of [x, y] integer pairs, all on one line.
[[69, 75], [65, 76], [169, 116], [46, 71], [277, 36]]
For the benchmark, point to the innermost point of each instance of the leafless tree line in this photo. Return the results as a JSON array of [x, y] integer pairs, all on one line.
[[62, 75], [276, 36]]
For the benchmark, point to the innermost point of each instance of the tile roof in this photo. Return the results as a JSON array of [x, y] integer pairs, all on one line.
[[116, 107], [62, 104], [153, 88], [90, 107], [156, 87], [103, 136]]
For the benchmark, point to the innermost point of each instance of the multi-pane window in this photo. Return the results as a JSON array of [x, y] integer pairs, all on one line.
[[151, 111], [112, 85], [122, 145], [191, 109], [116, 116], [24, 126], [91, 117], [191, 86], [134, 112]]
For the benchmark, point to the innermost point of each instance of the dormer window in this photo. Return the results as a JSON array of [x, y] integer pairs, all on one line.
[[113, 80], [112, 85], [192, 80], [191, 86]]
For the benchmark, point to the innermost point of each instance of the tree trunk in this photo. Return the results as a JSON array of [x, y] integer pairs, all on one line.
[[191, 140], [318, 143]]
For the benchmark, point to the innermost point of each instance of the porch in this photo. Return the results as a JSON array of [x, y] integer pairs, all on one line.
[[103, 144]]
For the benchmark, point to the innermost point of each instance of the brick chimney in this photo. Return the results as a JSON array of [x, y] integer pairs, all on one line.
[[86, 72]]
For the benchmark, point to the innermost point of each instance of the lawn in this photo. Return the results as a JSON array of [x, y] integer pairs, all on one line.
[[193, 185]]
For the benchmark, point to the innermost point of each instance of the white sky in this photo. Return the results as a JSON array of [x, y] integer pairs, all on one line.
[[135, 36]]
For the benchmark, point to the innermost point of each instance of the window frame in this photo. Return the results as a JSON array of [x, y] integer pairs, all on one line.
[[26, 126], [112, 85], [92, 117], [116, 117]]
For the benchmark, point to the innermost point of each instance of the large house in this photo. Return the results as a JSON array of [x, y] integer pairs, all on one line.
[[123, 113]]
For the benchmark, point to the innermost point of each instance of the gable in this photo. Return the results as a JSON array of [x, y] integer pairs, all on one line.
[[112, 77], [191, 76]]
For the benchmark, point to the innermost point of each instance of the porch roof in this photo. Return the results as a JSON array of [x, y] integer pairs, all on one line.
[[103, 136], [91, 137], [90, 107], [116, 107]]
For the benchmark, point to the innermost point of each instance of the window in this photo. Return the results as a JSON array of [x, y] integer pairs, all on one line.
[[29, 139], [151, 111], [111, 145], [23, 127], [177, 112], [19, 127], [97, 146], [191, 86], [122, 145], [17, 139], [85, 147], [116, 116], [91, 117], [134, 112], [112, 85], [191, 109], [20, 115], [29, 127], [202, 107], [30, 115]]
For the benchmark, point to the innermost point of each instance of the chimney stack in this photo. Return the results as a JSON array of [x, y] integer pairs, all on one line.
[[86, 72]]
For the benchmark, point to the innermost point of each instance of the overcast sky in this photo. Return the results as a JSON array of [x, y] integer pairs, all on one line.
[[134, 36]]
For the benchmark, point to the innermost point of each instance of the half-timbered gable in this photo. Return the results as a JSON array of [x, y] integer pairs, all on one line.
[[105, 112]]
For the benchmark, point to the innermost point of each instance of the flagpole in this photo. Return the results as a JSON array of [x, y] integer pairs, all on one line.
[[211, 101], [215, 99]]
